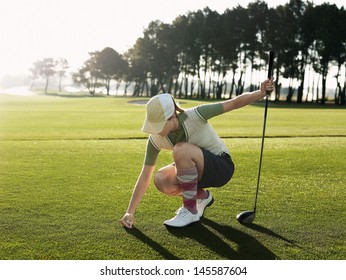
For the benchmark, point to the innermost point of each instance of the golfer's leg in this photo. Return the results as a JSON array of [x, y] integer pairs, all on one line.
[[189, 164], [166, 180], [187, 155]]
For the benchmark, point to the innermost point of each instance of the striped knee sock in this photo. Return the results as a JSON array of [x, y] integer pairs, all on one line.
[[202, 194], [188, 179]]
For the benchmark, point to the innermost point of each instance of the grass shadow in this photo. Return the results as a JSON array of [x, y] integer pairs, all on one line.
[[153, 244], [269, 232], [248, 248], [292, 243]]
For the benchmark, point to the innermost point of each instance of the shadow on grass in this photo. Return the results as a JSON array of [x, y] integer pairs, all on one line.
[[248, 248], [153, 244], [269, 232], [292, 243], [216, 237]]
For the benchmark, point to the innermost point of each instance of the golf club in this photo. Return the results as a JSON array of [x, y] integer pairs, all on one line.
[[247, 217]]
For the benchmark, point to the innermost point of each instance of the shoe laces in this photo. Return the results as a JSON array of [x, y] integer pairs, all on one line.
[[199, 201], [182, 211]]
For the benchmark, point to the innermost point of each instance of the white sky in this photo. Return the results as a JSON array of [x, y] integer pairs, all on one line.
[[34, 29]]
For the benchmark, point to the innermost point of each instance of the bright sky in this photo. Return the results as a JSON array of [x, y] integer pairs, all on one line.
[[34, 29]]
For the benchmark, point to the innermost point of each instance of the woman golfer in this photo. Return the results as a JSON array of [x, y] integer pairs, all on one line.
[[201, 158]]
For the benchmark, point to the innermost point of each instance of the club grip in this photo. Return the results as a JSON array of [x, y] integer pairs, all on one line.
[[270, 64]]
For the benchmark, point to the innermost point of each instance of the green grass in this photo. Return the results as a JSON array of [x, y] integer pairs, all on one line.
[[68, 167]]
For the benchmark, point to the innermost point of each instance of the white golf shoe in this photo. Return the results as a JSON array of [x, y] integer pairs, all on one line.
[[182, 218], [204, 203]]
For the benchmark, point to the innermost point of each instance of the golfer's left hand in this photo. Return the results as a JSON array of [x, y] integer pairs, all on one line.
[[267, 87]]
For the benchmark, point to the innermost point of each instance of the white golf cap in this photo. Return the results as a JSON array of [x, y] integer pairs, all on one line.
[[159, 109]]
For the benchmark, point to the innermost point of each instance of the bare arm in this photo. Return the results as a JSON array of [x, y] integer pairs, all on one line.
[[248, 98], [137, 195]]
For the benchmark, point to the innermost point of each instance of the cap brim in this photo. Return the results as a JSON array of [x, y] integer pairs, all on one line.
[[153, 128]]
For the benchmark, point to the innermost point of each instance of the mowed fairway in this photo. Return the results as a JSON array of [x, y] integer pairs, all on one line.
[[68, 166]]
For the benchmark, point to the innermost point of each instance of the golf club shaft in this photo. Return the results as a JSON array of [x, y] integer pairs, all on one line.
[[261, 154], [270, 74]]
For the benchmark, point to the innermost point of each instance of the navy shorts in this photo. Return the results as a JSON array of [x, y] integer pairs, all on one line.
[[218, 170]]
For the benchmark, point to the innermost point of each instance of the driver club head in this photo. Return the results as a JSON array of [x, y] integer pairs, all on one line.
[[246, 217]]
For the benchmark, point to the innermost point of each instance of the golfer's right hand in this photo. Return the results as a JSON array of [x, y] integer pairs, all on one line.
[[127, 220]]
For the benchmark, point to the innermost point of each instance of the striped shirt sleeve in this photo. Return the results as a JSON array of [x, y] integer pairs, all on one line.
[[208, 111], [151, 154]]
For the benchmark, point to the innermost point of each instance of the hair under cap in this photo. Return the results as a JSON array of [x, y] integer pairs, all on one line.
[[159, 109]]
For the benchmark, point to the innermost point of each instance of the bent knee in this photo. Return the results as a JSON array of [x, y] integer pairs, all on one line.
[[159, 180], [182, 149], [165, 184], [182, 146]]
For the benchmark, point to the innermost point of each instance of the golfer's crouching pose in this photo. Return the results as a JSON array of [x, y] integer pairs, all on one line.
[[201, 158]]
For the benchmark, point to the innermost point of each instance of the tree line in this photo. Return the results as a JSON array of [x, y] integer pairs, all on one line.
[[205, 54], [47, 68]]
